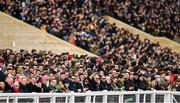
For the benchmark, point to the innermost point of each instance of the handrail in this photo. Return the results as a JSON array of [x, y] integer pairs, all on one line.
[[90, 93], [168, 96]]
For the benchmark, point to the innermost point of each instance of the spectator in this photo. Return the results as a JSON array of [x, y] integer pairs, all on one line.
[[75, 85], [142, 84], [108, 85], [49, 72], [16, 87], [128, 82], [32, 85], [8, 85], [45, 84], [177, 85], [2, 86], [23, 88], [53, 86], [96, 84]]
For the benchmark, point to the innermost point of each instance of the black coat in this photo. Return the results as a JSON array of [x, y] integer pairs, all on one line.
[[8, 88], [128, 83], [23, 88], [33, 88], [142, 85], [94, 86], [74, 86], [2, 76], [108, 86], [45, 88]]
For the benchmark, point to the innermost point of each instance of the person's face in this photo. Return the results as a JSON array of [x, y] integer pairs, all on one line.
[[101, 73], [148, 78], [62, 76], [41, 68], [10, 81], [178, 83], [33, 80], [96, 78], [51, 76], [108, 79], [163, 76], [67, 85], [131, 77], [115, 80], [126, 75], [24, 81], [82, 77], [103, 78], [135, 76], [73, 78], [16, 85], [54, 83], [114, 72], [2, 85], [141, 78], [77, 79], [67, 74]]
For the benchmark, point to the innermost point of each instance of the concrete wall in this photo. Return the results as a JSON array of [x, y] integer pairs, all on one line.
[[164, 42], [28, 37]]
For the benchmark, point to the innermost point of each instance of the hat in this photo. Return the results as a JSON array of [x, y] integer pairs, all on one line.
[[147, 75]]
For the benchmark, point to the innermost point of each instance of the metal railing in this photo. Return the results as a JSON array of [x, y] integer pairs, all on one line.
[[93, 97]]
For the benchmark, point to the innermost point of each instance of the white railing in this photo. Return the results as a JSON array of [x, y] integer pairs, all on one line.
[[93, 97]]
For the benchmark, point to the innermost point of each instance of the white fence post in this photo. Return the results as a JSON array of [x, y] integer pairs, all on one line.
[[88, 97], [137, 97], [16, 99], [121, 98], [66, 100], [7, 100], [105, 96], [72, 98], [144, 98], [36, 99], [153, 98], [53, 99], [168, 98]]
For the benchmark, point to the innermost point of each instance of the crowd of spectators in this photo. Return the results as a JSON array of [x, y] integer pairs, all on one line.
[[41, 71], [157, 17], [125, 62]]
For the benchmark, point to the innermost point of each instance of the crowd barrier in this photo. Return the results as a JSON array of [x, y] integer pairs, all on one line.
[[93, 97]]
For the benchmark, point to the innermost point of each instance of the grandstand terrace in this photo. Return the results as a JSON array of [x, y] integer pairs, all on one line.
[[127, 59]]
